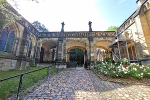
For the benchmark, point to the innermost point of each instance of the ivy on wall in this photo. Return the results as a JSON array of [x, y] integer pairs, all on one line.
[[6, 15]]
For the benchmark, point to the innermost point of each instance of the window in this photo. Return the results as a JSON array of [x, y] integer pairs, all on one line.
[[3, 39], [6, 39]]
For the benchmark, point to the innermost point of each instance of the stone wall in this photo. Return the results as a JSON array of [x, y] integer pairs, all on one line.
[[7, 64]]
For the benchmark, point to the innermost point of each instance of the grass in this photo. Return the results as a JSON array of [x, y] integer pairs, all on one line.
[[10, 86]]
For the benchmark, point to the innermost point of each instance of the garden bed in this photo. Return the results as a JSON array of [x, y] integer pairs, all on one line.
[[121, 71], [125, 81]]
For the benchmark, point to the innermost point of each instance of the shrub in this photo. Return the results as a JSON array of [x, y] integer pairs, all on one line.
[[109, 60], [122, 68], [32, 64]]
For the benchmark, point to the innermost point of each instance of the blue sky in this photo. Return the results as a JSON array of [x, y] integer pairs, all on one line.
[[77, 13], [116, 11]]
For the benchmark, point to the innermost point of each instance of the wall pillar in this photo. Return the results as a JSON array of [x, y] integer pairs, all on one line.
[[142, 32]]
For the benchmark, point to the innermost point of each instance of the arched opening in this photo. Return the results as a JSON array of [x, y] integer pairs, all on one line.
[[128, 48], [77, 55], [10, 42], [75, 51], [48, 51], [3, 39], [102, 54], [102, 50], [41, 54], [7, 39]]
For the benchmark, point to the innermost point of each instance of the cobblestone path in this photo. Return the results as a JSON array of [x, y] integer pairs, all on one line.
[[81, 84]]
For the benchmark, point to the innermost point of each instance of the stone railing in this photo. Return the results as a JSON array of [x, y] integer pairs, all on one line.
[[76, 34], [126, 23]]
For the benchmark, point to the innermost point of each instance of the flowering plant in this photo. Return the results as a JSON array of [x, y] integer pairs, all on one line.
[[122, 68]]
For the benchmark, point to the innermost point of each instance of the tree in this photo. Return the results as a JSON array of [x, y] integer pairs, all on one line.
[[77, 55], [6, 15], [112, 28], [40, 27]]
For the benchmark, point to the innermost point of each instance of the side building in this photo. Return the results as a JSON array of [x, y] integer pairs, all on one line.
[[132, 39], [18, 41]]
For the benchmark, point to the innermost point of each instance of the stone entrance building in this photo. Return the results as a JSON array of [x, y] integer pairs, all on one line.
[[21, 43]]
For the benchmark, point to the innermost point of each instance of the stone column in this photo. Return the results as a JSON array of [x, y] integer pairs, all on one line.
[[15, 46], [35, 51], [93, 51], [141, 44], [50, 55], [59, 52], [38, 54], [64, 50], [22, 52]]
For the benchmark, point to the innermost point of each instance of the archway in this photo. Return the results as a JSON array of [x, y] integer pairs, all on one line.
[[77, 55], [73, 49], [47, 52], [72, 45], [102, 50]]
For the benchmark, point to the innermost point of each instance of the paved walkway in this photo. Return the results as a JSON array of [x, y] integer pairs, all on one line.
[[81, 84]]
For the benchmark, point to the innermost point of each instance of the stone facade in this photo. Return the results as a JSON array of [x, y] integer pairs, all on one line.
[[137, 26], [28, 45]]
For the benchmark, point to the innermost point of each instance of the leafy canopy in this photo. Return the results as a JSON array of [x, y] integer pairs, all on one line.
[[77, 55], [112, 28], [7, 16], [40, 27]]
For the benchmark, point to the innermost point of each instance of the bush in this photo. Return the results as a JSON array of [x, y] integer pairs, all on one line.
[[122, 68], [32, 64], [109, 60]]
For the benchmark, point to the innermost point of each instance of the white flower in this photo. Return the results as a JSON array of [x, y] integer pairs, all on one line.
[[132, 64], [135, 69], [125, 72], [141, 73]]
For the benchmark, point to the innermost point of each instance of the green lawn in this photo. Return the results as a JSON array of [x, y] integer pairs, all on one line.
[[10, 86]]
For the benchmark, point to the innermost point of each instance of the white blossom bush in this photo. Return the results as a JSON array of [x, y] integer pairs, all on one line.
[[122, 68]]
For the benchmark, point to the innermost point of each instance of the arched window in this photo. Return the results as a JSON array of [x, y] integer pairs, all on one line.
[[7, 39], [10, 42], [3, 39]]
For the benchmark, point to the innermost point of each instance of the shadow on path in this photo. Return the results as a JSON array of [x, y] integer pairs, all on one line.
[[80, 84]]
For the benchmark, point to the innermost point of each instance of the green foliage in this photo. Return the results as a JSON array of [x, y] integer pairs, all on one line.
[[112, 28], [10, 86], [109, 60], [99, 62], [78, 56], [3, 22], [122, 68], [40, 27], [6, 16], [32, 64]]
